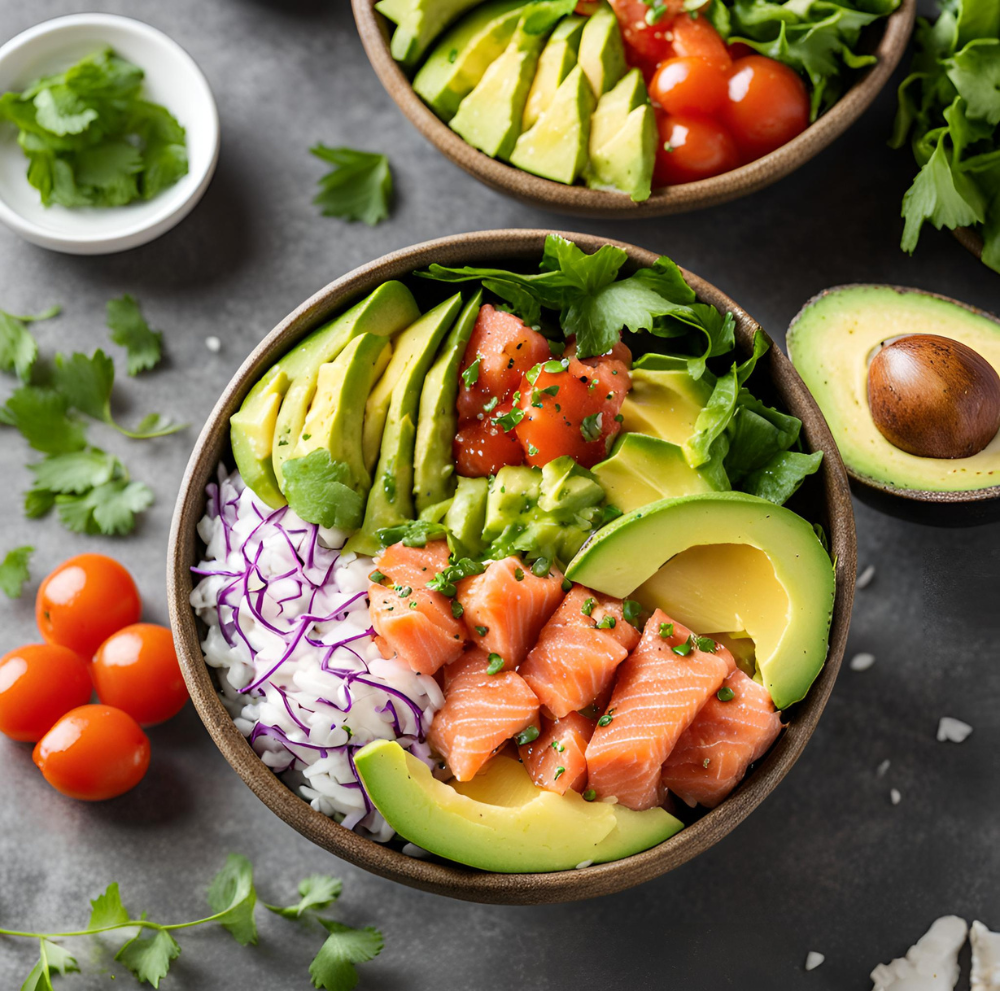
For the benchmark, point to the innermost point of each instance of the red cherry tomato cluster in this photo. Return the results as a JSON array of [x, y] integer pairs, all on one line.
[[87, 611], [517, 404], [717, 106]]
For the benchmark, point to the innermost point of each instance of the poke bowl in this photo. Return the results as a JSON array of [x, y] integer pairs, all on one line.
[[629, 132], [446, 695]]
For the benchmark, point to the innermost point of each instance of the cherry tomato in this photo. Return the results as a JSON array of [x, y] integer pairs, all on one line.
[[483, 447], [696, 36], [645, 44], [768, 105], [692, 148], [501, 349], [739, 49], [94, 752], [38, 684], [84, 601], [136, 670], [690, 85]]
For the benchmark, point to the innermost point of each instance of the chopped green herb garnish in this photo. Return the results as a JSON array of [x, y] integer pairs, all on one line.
[[550, 390], [589, 795], [508, 421], [413, 604], [389, 485], [619, 418], [452, 55], [706, 644], [591, 426], [554, 367], [491, 405], [482, 630], [666, 630], [532, 450], [404, 591], [560, 771], [471, 374], [495, 665], [457, 609], [605, 720], [725, 694], [631, 610], [518, 575], [558, 746], [541, 567], [444, 581], [683, 649], [588, 606], [607, 623], [528, 735], [532, 374], [376, 576], [706, 762]]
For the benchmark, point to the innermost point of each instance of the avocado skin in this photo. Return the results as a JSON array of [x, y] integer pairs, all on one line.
[[437, 420], [385, 311], [463, 55], [633, 548], [390, 500]]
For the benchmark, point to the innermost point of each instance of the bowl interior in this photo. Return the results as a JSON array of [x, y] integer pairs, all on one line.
[[825, 498], [886, 39], [172, 79]]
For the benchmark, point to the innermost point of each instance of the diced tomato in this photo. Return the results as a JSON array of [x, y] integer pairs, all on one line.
[[690, 85], [572, 411], [645, 44], [505, 349], [619, 352], [768, 105], [483, 447], [692, 148], [696, 36]]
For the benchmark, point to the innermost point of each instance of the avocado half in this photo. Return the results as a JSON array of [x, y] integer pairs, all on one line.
[[831, 342], [725, 563]]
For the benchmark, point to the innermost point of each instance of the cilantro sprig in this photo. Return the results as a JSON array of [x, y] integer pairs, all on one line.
[[151, 947], [14, 574], [18, 348], [129, 329], [358, 188]]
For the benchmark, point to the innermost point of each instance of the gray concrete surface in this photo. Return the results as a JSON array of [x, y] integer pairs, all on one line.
[[826, 864]]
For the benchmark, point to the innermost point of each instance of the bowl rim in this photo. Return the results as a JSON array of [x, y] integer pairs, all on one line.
[[453, 879], [578, 200], [170, 214], [963, 496]]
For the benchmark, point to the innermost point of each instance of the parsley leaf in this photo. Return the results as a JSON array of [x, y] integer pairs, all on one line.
[[149, 957], [321, 491], [108, 509], [107, 910], [318, 892], [14, 572], [18, 349], [42, 417], [232, 895], [334, 967], [75, 472], [51, 958], [359, 187], [130, 330]]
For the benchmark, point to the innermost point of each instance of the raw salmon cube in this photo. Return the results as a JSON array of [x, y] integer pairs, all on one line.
[[658, 692], [507, 606], [713, 755], [413, 566], [556, 760], [481, 713], [418, 628]]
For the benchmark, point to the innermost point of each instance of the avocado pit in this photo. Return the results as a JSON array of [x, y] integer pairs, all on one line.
[[934, 397]]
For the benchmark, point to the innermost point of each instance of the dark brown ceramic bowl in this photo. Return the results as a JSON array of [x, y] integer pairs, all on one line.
[[946, 509], [825, 498], [887, 40], [970, 239]]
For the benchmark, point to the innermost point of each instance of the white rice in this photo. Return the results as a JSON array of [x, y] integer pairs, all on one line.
[[289, 635]]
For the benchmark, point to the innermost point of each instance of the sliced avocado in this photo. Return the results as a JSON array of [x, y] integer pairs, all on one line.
[[391, 498], [437, 420], [514, 492], [465, 518], [418, 23], [602, 51], [259, 427], [831, 343], [336, 415], [725, 562], [554, 65], [568, 488], [490, 117], [644, 469], [623, 138], [511, 826], [664, 403], [461, 57], [556, 147]]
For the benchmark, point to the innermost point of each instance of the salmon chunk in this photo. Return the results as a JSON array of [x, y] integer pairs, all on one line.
[[557, 760], [658, 692], [713, 755], [575, 660], [418, 628], [507, 606], [413, 566], [481, 713]]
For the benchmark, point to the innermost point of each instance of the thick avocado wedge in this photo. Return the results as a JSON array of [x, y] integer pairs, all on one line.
[[384, 312], [271, 417], [462, 55], [510, 826], [418, 23], [725, 562], [644, 469], [554, 65], [465, 517], [490, 117], [665, 403], [437, 420], [602, 51], [556, 147], [336, 415], [831, 343], [623, 138], [390, 500]]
